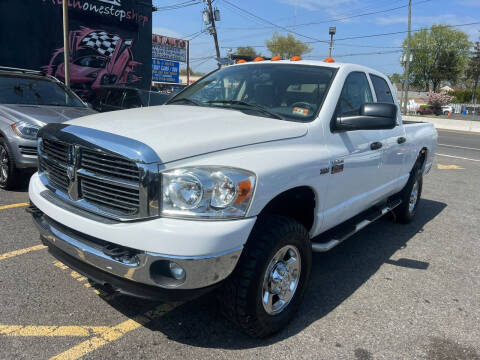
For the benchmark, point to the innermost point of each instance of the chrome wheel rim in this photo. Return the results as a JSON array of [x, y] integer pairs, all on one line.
[[281, 279], [413, 197], [3, 165]]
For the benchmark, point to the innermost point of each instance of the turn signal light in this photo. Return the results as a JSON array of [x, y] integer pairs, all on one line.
[[276, 58], [295, 58], [329, 60], [258, 58]]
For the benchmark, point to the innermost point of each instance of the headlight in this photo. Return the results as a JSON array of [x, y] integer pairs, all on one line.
[[208, 192], [26, 130]]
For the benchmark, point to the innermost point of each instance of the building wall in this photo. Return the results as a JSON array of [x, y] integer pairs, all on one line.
[[110, 40]]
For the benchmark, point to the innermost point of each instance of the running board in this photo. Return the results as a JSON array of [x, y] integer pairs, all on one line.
[[342, 232]]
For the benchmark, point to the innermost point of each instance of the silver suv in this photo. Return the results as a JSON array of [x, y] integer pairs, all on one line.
[[29, 100]]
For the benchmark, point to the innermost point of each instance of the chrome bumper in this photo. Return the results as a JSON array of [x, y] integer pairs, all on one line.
[[138, 266]]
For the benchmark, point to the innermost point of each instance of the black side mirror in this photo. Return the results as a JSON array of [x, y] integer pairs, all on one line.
[[373, 116]]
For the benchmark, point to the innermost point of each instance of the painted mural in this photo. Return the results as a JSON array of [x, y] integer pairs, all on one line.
[[110, 41], [97, 58]]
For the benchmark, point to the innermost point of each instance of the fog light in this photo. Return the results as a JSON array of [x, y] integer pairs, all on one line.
[[177, 271]]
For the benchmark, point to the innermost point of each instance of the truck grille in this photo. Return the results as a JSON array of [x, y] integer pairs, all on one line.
[[102, 181], [28, 150]]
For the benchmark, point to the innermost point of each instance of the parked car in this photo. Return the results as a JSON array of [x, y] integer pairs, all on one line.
[[231, 185], [430, 110], [29, 100], [112, 98], [448, 109]]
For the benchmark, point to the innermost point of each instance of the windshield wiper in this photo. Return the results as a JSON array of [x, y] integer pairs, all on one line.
[[243, 103], [194, 102]]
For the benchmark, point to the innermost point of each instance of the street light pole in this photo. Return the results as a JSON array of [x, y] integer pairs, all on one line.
[[332, 30], [66, 46], [407, 58]]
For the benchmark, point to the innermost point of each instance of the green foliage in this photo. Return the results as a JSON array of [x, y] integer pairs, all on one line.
[[246, 51], [462, 96], [287, 46], [439, 54], [425, 106], [395, 78], [192, 73], [473, 69]]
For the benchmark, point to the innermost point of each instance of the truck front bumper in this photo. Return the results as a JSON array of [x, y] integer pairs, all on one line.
[[120, 260]]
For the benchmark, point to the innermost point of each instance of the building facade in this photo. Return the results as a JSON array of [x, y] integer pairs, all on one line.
[[110, 41]]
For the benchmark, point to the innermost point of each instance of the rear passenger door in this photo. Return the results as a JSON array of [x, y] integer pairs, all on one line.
[[394, 140]]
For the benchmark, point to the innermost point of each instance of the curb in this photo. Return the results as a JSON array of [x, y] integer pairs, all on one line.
[[446, 124]]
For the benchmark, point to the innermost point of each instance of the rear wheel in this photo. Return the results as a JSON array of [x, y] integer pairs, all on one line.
[[269, 282], [8, 172], [410, 196]]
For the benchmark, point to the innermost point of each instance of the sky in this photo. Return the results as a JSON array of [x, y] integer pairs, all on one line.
[[309, 21]]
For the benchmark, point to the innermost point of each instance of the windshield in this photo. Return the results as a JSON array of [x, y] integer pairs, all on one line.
[[32, 91], [292, 92]]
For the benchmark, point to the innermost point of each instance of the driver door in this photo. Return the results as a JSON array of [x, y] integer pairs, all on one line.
[[355, 179]]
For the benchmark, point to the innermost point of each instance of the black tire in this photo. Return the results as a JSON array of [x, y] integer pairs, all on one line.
[[406, 211], [241, 295], [9, 177]]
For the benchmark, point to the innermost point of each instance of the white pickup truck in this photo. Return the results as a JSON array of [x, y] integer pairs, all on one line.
[[230, 185]]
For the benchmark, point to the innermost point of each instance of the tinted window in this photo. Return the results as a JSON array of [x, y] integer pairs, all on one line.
[[382, 90], [115, 98], [131, 100], [356, 92], [294, 92], [31, 91], [152, 98]]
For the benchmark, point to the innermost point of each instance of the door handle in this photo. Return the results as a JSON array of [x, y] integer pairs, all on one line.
[[401, 140], [376, 145]]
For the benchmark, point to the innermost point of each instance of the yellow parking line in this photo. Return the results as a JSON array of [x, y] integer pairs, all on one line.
[[114, 333], [21, 252], [5, 207], [31, 330]]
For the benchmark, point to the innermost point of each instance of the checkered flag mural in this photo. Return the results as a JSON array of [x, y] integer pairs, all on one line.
[[102, 42]]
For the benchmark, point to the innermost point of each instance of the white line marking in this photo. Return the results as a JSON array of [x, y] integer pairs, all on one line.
[[457, 157], [459, 147]]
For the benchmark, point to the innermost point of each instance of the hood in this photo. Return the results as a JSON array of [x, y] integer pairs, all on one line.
[[43, 113], [176, 132]]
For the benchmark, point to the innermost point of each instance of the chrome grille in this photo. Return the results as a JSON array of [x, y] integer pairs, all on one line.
[[109, 165], [56, 175], [120, 198], [55, 150], [93, 179]]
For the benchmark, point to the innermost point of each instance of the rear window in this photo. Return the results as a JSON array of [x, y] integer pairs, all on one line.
[[384, 94]]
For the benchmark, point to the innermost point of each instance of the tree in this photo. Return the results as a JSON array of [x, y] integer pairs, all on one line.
[[286, 46], [439, 99], [396, 78], [246, 51], [192, 73], [473, 70], [439, 54]]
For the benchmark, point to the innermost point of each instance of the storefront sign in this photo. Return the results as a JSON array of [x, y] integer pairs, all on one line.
[[168, 48], [165, 71]]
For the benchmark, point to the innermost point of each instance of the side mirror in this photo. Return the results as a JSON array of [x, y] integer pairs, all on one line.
[[373, 116]]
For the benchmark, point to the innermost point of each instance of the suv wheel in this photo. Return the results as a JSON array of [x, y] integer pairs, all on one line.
[[8, 171], [268, 285]]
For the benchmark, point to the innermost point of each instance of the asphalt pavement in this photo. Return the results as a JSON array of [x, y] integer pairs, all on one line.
[[390, 292]]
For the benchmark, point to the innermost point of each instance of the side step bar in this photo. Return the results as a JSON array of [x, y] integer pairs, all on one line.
[[337, 235]]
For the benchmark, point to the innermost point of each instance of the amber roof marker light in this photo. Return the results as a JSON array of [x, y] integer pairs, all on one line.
[[295, 58], [276, 58], [258, 58], [329, 60], [241, 61]]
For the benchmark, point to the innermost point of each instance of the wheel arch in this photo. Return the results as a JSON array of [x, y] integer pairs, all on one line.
[[298, 203]]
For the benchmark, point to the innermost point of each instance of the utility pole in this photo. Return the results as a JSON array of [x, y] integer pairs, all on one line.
[[188, 62], [407, 64], [331, 31], [214, 29], [66, 46]]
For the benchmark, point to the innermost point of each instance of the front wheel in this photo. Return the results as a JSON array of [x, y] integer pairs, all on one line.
[[8, 171], [410, 196], [269, 282]]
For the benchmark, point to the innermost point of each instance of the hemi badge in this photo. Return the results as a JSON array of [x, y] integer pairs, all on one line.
[[337, 166]]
